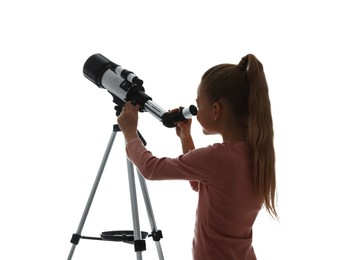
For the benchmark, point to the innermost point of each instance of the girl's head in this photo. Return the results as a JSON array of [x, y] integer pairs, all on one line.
[[223, 94], [227, 84], [239, 95]]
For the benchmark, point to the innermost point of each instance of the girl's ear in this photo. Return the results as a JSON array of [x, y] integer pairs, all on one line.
[[217, 111]]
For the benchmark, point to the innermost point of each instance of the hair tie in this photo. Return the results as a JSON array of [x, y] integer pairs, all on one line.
[[244, 63]]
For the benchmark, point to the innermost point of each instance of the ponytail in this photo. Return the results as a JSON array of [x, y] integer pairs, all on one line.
[[245, 87], [260, 132]]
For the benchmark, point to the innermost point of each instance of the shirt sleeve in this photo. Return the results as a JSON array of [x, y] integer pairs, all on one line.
[[194, 185], [197, 165]]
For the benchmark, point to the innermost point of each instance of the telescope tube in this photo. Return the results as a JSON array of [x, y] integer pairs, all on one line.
[[125, 86]]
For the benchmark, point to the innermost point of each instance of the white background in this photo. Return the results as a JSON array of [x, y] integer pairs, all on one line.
[[55, 124]]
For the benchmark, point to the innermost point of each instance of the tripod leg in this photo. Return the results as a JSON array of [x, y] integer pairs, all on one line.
[[150, 213], [77, 235], [135, 213]]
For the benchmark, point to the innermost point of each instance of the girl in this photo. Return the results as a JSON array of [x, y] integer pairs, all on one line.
[[234, 178]]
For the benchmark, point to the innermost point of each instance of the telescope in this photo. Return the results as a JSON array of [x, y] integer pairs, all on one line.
[[125, 86]]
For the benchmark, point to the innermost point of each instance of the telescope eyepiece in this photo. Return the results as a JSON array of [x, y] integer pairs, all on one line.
[[171, 119]]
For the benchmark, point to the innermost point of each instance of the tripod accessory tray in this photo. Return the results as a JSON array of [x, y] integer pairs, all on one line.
[[121, 236], [127, 237]]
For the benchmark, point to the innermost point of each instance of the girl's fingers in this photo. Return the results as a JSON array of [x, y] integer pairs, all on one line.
[[129, 107]]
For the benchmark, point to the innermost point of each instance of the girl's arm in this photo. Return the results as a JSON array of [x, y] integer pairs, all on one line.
[[183, 130], [128, 121], [187, 144]]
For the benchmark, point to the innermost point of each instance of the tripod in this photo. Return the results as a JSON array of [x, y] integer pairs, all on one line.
[[135, 237]]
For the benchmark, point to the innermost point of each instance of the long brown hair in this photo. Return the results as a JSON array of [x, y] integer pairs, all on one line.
[[245, 87]]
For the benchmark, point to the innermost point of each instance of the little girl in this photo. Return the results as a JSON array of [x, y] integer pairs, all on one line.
[[234, 178]]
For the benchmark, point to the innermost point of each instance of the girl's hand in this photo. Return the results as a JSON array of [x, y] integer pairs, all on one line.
[[183, 128], [128, 120], [183, 131]]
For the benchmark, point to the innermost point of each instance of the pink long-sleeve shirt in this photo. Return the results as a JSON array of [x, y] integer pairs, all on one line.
[[228, 203]]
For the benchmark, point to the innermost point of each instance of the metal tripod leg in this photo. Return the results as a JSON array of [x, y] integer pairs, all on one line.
[[135, 213], [76, 237], [151, 215]]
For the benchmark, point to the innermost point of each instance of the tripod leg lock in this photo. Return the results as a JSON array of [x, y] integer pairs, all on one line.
[[75, 239], [139, 245], [156, 235]]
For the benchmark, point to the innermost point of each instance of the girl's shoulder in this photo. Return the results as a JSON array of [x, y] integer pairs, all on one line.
[[232, 144], [225, 148]]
